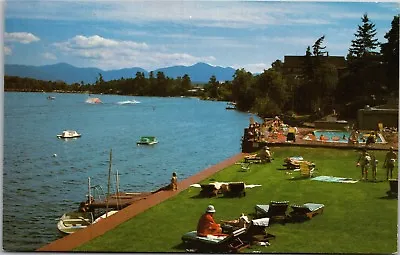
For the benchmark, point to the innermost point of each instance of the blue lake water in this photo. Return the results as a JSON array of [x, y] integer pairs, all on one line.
[[38, 187]]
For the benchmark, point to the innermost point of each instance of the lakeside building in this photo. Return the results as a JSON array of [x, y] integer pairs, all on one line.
[[294, 65], [370, 117]]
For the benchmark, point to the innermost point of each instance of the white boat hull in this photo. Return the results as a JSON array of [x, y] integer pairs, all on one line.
[[106, 215], [69, 134], [74, 221]]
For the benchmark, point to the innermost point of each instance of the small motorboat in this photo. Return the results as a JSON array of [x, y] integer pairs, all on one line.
[[147, 140], [93, 100], [73, 221], [105, 215], [69, 134], [51, 98]]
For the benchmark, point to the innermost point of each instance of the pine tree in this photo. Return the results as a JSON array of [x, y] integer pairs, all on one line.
[[365, 41], [390, 53], [317, 47]]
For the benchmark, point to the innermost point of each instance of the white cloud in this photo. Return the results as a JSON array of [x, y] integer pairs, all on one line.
[[96, 42], [110, 54], [48, 55], [253, 68], [195, 13], [21, 37], [7, 50]]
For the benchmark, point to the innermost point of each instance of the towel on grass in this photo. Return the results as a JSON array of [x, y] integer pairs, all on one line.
[[333, 179]]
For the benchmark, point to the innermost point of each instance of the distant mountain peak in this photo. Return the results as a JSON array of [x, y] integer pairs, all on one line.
[[199, 72]]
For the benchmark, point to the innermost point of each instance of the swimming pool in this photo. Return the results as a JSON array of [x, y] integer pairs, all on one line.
[[338, 136]]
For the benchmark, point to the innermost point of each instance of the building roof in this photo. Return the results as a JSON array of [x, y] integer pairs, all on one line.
[[298, 61]]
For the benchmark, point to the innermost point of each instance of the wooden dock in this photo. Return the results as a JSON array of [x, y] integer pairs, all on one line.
[[119, 200]]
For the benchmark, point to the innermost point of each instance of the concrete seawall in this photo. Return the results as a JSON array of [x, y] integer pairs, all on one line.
[[69, 242]]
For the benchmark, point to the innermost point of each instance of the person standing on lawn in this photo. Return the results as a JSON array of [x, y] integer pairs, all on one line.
[[390, 159], [364, 162]]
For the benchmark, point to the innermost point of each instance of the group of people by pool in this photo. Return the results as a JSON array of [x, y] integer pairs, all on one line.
[[368, 160], [355, 137], [269, 129]]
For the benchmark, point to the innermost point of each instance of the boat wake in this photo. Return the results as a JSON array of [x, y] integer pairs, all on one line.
[[128, 102]]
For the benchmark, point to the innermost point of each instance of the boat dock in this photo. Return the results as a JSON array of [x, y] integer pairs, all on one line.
[[118, 200], [69, 242]]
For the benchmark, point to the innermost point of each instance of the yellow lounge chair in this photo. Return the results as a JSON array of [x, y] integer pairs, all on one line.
[[306, 169]]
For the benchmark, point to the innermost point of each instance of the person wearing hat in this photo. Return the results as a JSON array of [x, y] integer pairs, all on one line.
[[207, 225], [390, 159]]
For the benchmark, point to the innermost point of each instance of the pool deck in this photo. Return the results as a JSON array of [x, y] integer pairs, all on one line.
[[390, 137], [72, 241]]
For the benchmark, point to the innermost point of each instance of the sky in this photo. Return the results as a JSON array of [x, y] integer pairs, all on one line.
[[154, 34]]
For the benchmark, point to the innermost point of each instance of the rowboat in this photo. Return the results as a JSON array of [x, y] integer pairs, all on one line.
[[73, 221]]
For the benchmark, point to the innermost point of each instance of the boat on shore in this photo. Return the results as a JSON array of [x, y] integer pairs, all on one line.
[[73, 221], [69, 134], [147, 140]]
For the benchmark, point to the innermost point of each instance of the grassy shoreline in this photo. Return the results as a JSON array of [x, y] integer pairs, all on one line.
[[358, 218]]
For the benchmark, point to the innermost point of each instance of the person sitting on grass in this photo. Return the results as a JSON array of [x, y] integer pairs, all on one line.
[[364, 161], [390, 159], [207, 225], [265, 155]]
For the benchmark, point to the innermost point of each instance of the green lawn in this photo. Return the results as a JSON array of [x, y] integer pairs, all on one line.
[[358, 218]]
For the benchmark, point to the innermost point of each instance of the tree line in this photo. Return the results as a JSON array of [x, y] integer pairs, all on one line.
[[371, 76]]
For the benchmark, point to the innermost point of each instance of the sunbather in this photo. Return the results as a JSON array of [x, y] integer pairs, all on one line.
[[242, 222], [207, 225]]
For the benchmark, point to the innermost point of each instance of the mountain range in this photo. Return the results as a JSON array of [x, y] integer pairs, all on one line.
[[198, 73]]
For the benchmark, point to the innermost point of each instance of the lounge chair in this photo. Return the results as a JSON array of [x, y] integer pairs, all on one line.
[[245, 167], [254, 158], [229, 243], [256, 231], [306, 211], [236, 189], [208, 190], [276, 211], [293, 162], [306, 168]]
